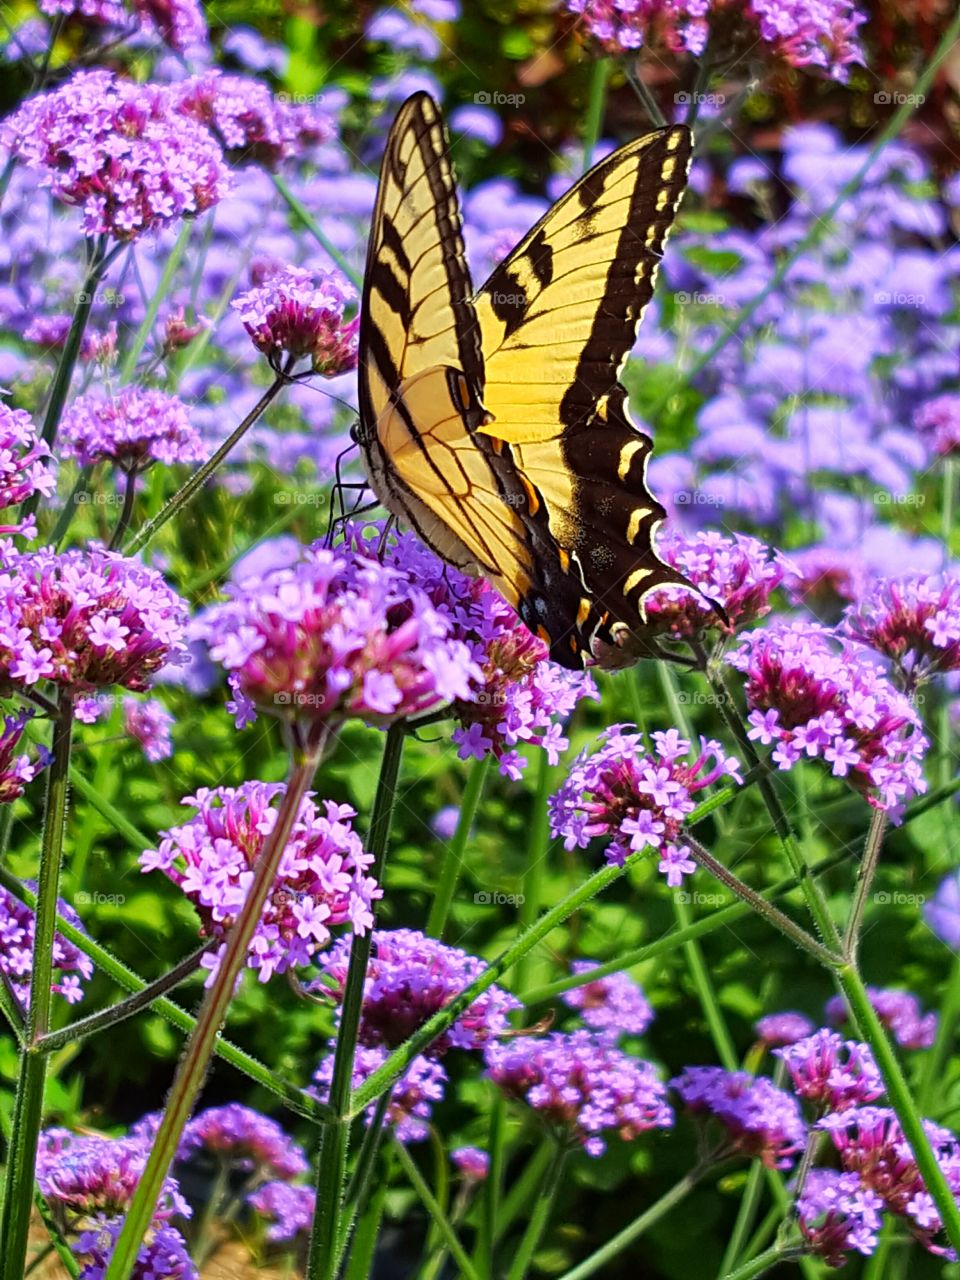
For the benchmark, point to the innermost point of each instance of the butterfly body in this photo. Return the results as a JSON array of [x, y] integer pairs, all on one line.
[[494, 423]]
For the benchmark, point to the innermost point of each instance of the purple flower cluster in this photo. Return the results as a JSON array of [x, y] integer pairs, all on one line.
[[16, 770], [871, 1144], [613, 1005], [297, 314], [89, 1173], [322, 881], [244, 1139], [85, 619], [149, 722], [837, 1215], [179, 23], [288, 1207], [26, 466], [638, 797], [823, 35], [472, 1163], [413, 1096], [942, 911], [831, 1072], [758, 1118], [582, 1085], [409, 978], [738, 573], [939, 421], [914, 621], [812, 699], [119, 151], [17, 925], [163, 1256], [249, 121], [900, 1013], [135, 428], [50, 332], [107, 13], [338, 634], [783, 1028]]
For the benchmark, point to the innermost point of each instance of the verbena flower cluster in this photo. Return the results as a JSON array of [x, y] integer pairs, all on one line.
[[17, 768], [90, 1173], [613, 1005], [288, 1208], [413, 1097], [249, 121], [150, 723], [249, 1141], [811, 698], [832, 1072], [638, 797], [757, 1118], [133, 429], [26, 467], [299, 314], [17, 926], [582, 1085], [338, 634], [321, 883], [119, 151], [900, 1013], [783, 1028], [837, 1215], [164, 1255], [86, 619], [472, 1163], [939, 420], [914, 621], [409, 978]]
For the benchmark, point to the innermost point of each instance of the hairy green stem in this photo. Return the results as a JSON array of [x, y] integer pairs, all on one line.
[[446, 884], [540, 1217], [596, 103], [865, 876], [170, 266], [764, 1262], [450, 1237]]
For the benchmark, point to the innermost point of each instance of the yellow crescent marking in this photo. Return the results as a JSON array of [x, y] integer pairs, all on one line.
[[583, 613], [652, 232], [533, 501], [626, 457], [635, 579], [666, 173], [564, 559], [636, 518], [673, 142], [544, 635]]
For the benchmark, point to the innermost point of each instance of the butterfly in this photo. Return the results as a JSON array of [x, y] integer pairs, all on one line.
[[493, 422]]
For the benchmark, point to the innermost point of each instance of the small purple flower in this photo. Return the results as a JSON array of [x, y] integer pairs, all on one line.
[[106, 13], [295, 313], [86, 619], [899, 1011], [410, 977], [824, 579], [321, 884], [913, 621], [613, 1005], [582, 1086], [163, 1256], [832, 1072], [135, 428], [180, 24], [89, 1173], [837, 1215], [149, 722], [759, 1119], [833, 704], [289, 1208], [942, 911], [637, 796], [26, 466], [17, 924], [50, 332], [244, 1139], [120, 152], [472, 1163], [413, 1096], [939, 421], [782, 1028], [250, 122], [17, 770]]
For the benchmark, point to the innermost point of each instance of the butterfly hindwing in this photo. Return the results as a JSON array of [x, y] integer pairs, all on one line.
[[559, 317]]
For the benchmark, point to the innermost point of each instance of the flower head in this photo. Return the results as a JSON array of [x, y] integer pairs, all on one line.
[[133, 429], [472, 1163], [249, 1141], [637, 796], [120, 152], [939, 421], [298, 313], [409, 978], [837, 1215], [899, 1011], [89, 1173], [17, 928], [163, 1256], [832, 1072], [180, 24], [51, 332], [322, 881], [811, 698], [149, 722], [942, 911], [86, 619], [782, 1028], [338, 634], [26, 466], [413, 1096], [16, 770], [759, 1119], [913, 621], [581, 1085], [249, 121], [613, 1005], [288, 1207]]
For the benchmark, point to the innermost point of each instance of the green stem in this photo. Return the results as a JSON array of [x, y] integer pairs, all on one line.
[[129, 498], [358, 1187], [311, 224], [28, 1108], [616, 1244], [821, 224], [596, 103], [700, 975], [536, 865], [170, 267], [198, 478], [746, 1214], [865, 876], [493, 1187], [765, 1262], [640, 88], [195, 1062], [699, 88], [898, 1091], [335, 1137], [450, 1237], [453, 855], [542, 1209], [936, 1057]]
